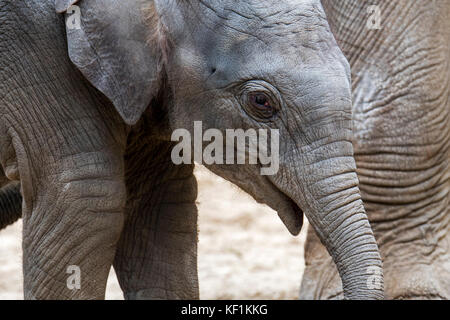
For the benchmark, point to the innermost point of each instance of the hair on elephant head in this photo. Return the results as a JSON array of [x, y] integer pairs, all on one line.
[[247, 65]]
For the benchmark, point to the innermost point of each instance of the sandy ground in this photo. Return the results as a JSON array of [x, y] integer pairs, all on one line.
[[245, 252]]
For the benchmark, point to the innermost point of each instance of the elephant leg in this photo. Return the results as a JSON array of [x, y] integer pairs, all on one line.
[[71, 165], [72, 229], [65, 143], [74, 195], [157, 254]]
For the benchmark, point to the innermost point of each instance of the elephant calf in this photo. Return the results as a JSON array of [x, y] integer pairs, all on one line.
[[94, 159]]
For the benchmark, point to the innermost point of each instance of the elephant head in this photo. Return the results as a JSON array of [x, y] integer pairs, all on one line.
[[250, 65]]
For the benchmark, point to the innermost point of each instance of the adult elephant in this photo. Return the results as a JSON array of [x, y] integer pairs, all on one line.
[[98, 182], [401, 122]]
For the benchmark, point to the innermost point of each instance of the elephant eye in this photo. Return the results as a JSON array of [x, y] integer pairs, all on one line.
[[259, 99], [260, 105]]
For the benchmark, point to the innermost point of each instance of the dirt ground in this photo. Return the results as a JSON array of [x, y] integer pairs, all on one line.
[[245, 252]]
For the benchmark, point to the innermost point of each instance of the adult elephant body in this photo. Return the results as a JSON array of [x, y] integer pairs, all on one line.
[[98, 182], [401, 121]]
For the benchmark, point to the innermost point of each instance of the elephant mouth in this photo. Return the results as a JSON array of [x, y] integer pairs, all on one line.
[[288, 210], [291, 215]]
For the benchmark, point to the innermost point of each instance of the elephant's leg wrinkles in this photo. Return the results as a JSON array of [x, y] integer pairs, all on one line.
[[76, 222], [414, 235], [69, 145], [157, 254], [73, 209]]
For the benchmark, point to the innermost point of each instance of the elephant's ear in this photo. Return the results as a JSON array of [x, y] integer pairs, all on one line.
[[111, 44]]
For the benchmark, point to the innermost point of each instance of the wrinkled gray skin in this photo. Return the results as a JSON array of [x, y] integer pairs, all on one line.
[[401, 120], [98, 183]]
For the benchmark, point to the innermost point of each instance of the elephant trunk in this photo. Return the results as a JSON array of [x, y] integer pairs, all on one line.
[[326, 185], [336, 212], [326, 189], [343, 227], [10, 204]]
